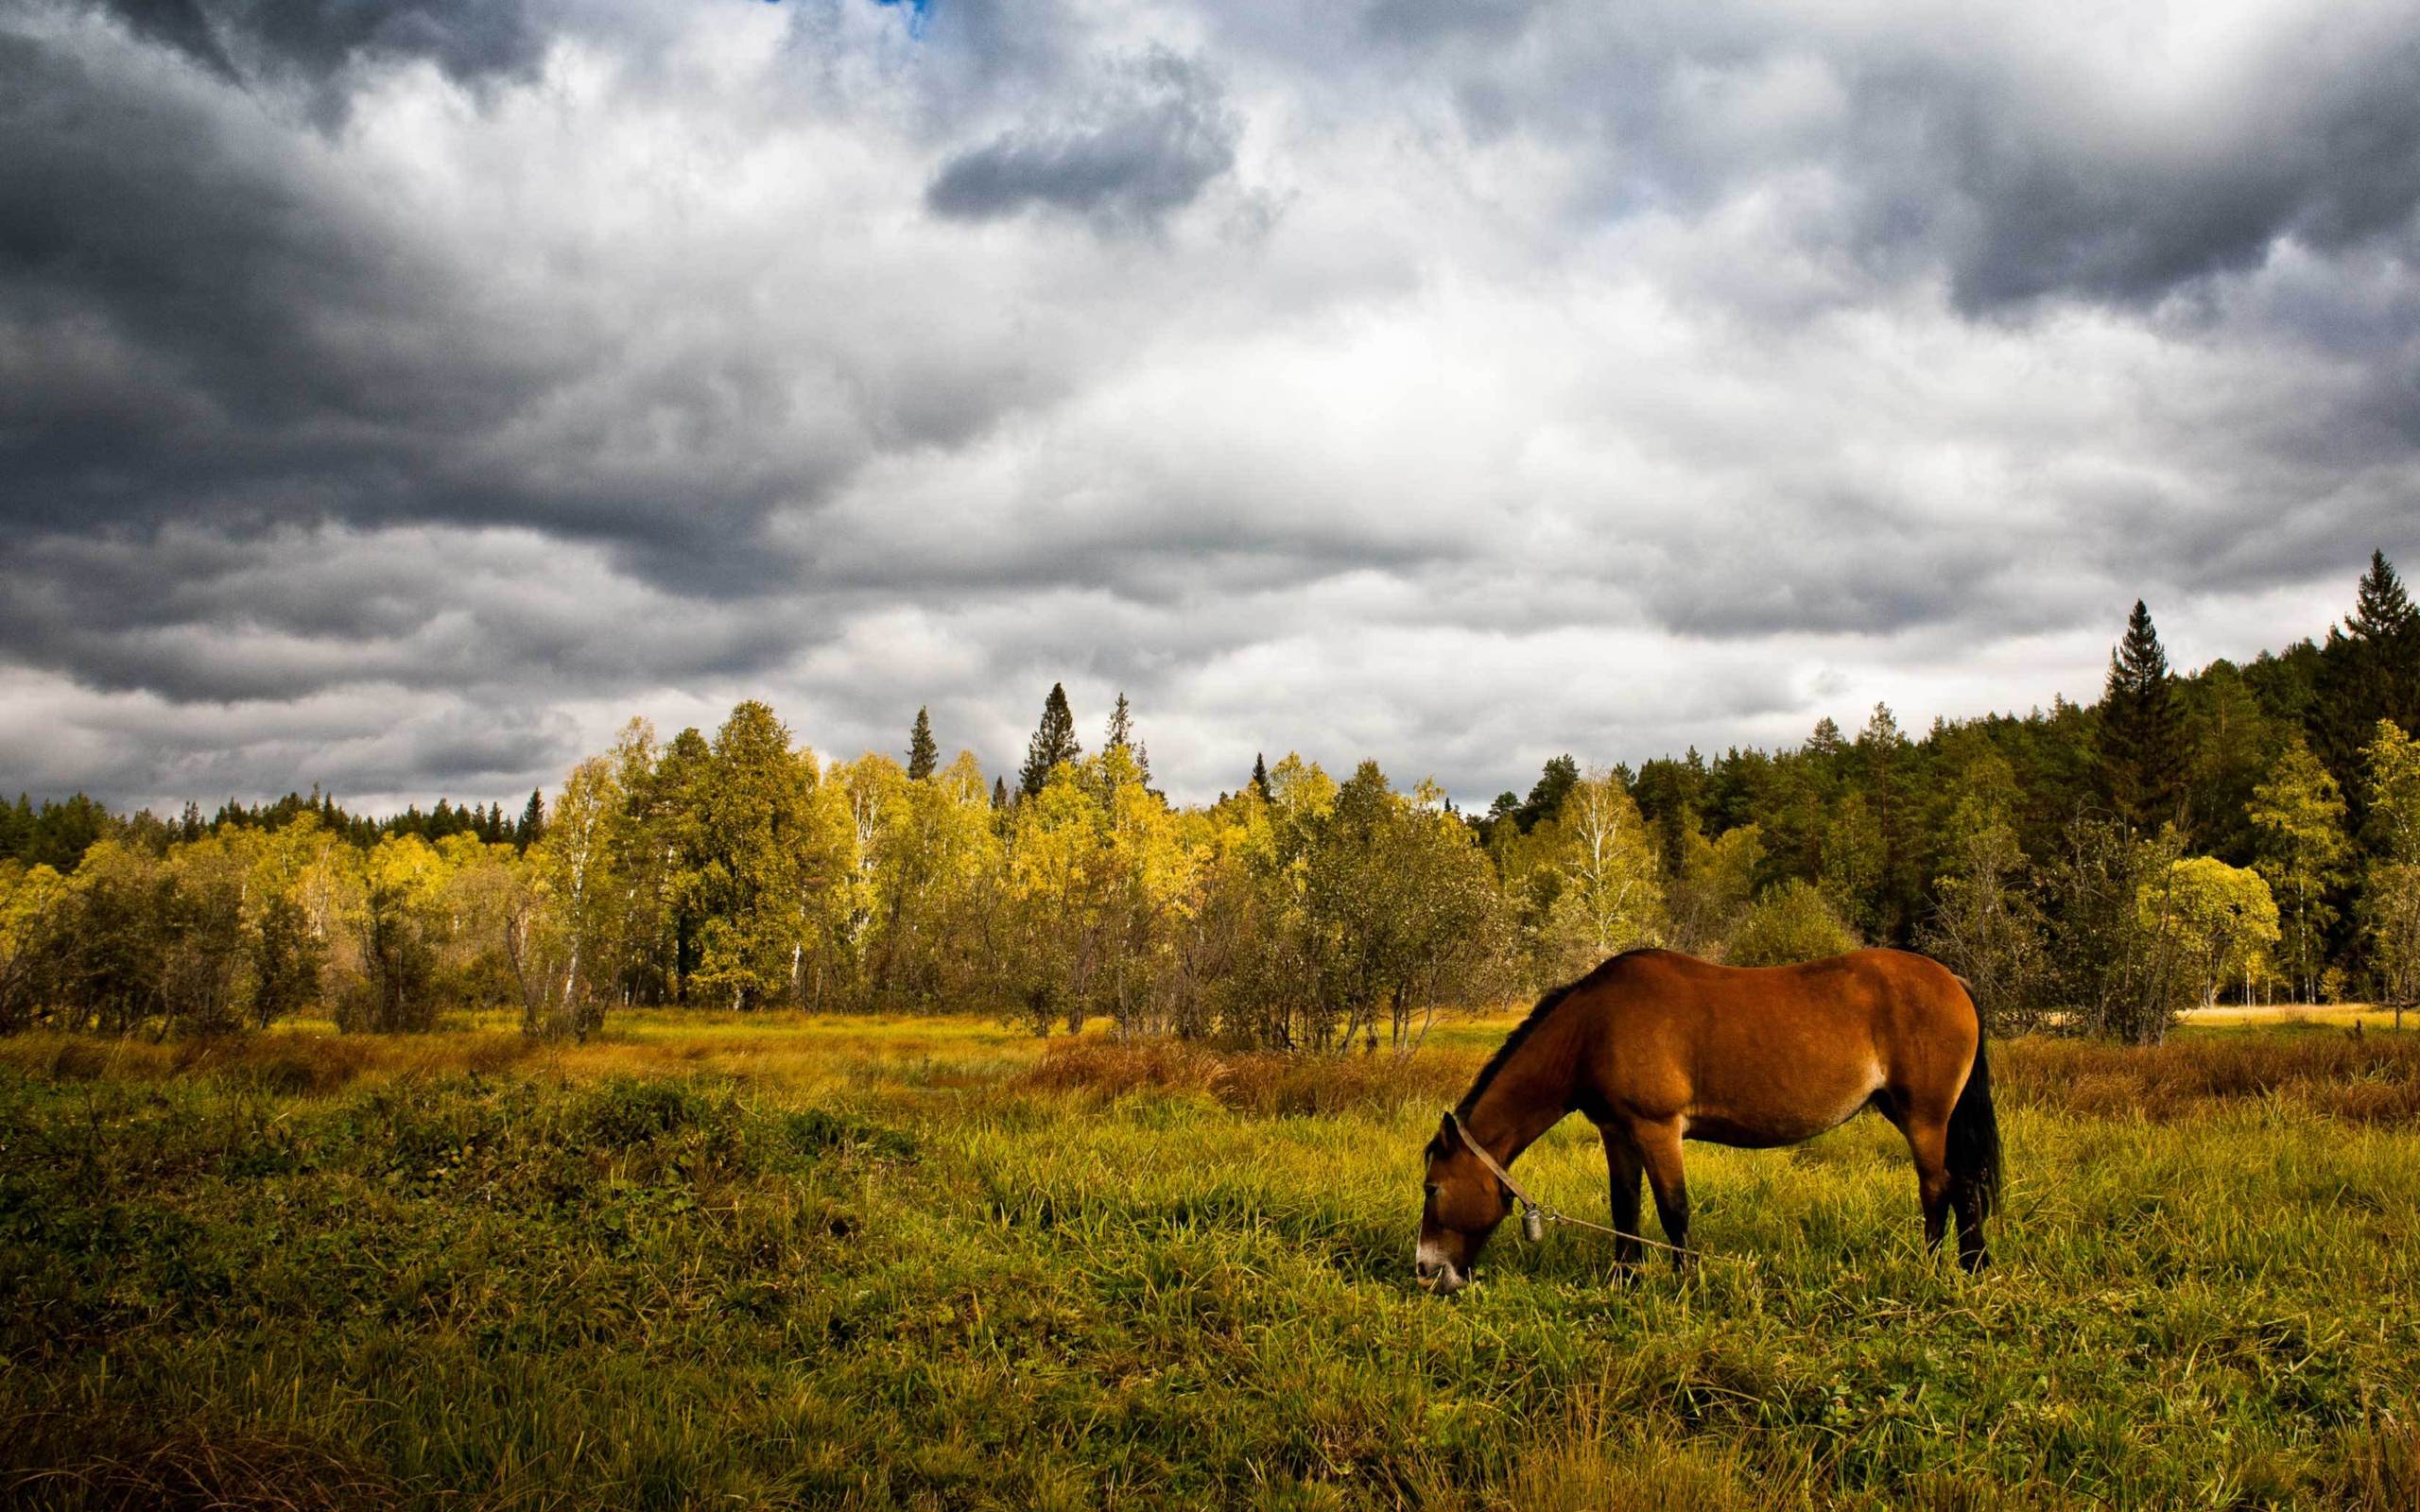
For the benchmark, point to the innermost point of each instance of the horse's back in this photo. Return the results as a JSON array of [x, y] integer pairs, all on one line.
[[1773, 1055]]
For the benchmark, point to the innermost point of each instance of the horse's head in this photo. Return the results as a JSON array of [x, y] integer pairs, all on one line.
[[1464, 1203]]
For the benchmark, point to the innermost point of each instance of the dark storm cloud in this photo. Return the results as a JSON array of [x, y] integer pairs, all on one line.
[[2021, 163], [469, 40], [200, 322], [179, 25], [192, 304], [1131, 159], [2329, 160]]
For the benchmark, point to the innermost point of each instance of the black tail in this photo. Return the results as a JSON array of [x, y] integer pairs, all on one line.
[[1974, 1133]]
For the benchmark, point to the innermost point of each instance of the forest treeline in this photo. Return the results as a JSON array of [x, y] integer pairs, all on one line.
[[2247, 830]]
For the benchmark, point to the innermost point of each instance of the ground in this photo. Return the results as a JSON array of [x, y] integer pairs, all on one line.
[[930, 1263]]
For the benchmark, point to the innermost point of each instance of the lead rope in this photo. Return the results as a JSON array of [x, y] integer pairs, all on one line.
[[1535, 1215]]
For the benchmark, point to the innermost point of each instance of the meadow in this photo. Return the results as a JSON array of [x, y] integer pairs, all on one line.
[[776, 1260]]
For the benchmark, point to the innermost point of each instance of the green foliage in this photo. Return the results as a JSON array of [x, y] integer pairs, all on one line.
[[1054, 743], [2118, 951], [2226, 922], [2141, 743], [1792, 922], [1986, 924], [924, 753], [2297, 817]]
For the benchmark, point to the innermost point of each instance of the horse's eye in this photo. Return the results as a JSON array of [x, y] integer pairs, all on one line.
[[1430, 1190]]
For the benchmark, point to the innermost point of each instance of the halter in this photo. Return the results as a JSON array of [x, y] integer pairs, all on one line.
[[1535, 1215]]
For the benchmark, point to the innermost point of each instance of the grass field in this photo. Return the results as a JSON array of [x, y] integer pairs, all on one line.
[[858, 1262]]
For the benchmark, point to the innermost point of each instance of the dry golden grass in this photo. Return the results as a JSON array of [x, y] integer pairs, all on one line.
[[2363, 1078], [125, 1465], [2368, 1076], [1258, 1083]]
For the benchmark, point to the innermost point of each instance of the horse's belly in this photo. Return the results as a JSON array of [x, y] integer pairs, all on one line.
[[1761, 1123], [1761, 1134]]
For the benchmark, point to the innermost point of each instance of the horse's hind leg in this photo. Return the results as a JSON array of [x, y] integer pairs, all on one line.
[[1929, 1141], [1969, 1203], [1623, 1167], [1660, 1146]]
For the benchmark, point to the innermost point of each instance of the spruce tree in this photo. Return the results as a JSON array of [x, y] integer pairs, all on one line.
[[1054, 741], [1260, 776], [999, 792], [533, 821], [1555, 783], [2368, 671], [2142, 730], [923, 754], [1120, 736]]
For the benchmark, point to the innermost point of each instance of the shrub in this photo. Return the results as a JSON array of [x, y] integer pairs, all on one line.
[[1790, 922]]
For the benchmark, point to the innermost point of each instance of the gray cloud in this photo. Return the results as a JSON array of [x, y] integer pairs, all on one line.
[[1147, 151], [314, 40]]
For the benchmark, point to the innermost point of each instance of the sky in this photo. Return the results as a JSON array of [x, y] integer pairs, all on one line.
[[400, 396]]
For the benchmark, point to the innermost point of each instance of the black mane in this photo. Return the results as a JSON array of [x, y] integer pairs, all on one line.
[[1546, 1005]]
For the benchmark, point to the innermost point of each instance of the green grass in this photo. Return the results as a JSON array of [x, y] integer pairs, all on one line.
[[874, 1265]]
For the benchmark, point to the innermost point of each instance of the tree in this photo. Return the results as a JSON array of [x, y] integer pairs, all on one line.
[[397, 918], [32, 903], [533, 821], [1559, 776], [1612, 896], [1054, 742], [2224, 919], [1790, 922], [2394, 896], [1882, 758], [1985, 925], [2141, 742], [1120, 736], [2297, 817], [773, 843], [2393, 761], [203, 974], [561, 931], [2369, 670], [2233, 746], [1259, 776], [1716, 885], [2117, 949], [922, 753], [287, 957]]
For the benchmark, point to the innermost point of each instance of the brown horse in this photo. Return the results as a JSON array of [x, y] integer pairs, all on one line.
[[1656, 1047]]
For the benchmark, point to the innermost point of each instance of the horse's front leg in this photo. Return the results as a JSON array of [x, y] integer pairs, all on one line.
[[1623, 1168]]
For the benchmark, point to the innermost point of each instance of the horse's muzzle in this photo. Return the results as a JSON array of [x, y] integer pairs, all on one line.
[[1438, 1274]]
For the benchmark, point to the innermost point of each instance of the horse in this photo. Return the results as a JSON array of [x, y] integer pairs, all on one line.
[[1655, 1047]]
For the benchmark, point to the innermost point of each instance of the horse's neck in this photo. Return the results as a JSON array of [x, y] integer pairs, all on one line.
[[1529, 1095]]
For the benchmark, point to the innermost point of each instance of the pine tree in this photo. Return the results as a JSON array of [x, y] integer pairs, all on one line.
[[1121, 736], [2142, 746], [922, 755], [1260, 776], [532, 827], [999, 792], [1555, 783], [2368, 671], [1054, 741]]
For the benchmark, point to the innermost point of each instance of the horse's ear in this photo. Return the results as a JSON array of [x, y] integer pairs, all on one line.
[[1446, 1138]]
